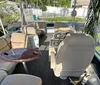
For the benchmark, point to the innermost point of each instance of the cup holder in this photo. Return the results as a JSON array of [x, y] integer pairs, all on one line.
[[35, 52], [5, 53]]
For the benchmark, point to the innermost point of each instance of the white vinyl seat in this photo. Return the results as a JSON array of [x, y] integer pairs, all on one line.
[[19, 40], [41, 26], [5, 45], [30, 30], [33, 41], [3, 74], [73, 55], [21, 79], [64, 29], [7, 66], [93, 80]]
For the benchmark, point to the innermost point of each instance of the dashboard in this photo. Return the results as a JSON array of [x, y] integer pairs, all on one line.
[[54, 43], [59, 35], [57, 38]]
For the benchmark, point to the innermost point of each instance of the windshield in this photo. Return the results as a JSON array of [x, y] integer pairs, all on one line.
[[43, 14], [43, 11]]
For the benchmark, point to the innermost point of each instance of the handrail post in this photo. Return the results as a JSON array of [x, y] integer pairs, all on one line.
[[2, 27]]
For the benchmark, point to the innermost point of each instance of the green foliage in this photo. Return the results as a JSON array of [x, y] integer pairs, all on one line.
[[58, 3], [16, 0], [63, 19], [8, 13], [43, 7], [48, 2], [98, 47], [64, 3]]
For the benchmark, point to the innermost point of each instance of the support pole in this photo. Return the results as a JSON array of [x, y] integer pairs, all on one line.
[[74, 10], [2, 27], [23, 22], [25, 67], [73, 17]]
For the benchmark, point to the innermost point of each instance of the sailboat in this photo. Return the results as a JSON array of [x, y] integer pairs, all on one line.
[[61, 57]]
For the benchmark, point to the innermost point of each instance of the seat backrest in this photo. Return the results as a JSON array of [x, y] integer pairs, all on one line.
[[64, 29], [30, 30], [5, 43], [33, 41], [74, 54], [41, 25], [19, 40]]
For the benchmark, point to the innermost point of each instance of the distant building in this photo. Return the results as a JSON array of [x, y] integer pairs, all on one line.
[[80, 3], [83, 2]]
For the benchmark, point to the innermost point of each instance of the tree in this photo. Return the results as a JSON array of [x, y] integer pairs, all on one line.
[[64, 3], [43, 7], [8, 13], [47, 2]]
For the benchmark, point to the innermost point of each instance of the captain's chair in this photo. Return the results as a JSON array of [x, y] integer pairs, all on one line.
[[73, 55]]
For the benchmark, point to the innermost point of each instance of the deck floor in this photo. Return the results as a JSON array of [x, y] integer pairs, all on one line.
[[41, 66]]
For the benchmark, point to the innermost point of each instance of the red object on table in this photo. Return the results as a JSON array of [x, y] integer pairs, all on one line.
[[20, 55]]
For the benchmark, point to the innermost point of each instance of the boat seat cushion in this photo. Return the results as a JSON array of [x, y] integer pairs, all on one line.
[[7, 66], [30, 30], [19, 40], [33, 41], [4, 43], [3, 74], [64, 29], [93, 80], [21, 79]]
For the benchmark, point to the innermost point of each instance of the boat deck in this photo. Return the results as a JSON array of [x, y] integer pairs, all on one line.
[[41, 66]]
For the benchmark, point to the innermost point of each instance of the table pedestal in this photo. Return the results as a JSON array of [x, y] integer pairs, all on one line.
[[25, 67]]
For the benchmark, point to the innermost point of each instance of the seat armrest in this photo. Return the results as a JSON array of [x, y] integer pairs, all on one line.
[[53, 61], [3, 74], [93, 80], [51, 49]]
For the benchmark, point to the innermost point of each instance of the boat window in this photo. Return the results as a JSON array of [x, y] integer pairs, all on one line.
[[1, 33], [13, 29], [50, 24]]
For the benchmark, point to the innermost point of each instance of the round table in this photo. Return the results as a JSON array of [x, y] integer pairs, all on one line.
[[20, 55]]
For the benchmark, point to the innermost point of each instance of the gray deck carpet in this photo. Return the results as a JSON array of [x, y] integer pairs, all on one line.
[[41, 66]]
